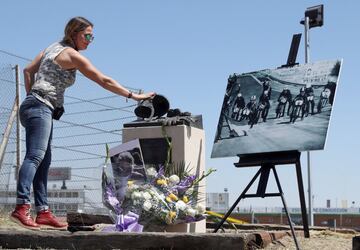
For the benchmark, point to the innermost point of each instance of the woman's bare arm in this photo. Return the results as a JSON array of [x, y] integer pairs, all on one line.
[[30, 70], [81, 63]]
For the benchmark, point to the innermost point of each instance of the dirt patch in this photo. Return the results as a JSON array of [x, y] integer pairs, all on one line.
[[7, 225], [319, 240]]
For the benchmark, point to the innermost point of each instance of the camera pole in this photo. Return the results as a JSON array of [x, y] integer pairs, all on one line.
[[314, 17], [307, 59]]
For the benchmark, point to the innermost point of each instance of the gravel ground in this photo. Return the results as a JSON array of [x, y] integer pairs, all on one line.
[[319, 240]]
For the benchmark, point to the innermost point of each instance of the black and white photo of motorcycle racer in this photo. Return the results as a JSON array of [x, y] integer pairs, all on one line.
[[245, 114], [249, 112], [267, 87], [310, 102], [324, 99], [252, 111], [295, 117], [238, 106], [220, 134], [285, 98], [298, 107], [264, 105], [327, 95]]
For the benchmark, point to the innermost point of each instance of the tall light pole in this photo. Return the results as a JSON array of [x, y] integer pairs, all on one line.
[[307, 60], [314, 17]]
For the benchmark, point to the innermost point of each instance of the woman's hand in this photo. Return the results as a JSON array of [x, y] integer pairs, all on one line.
[[139, 97]]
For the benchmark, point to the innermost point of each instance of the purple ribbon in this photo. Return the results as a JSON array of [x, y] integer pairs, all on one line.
[[128, 223]]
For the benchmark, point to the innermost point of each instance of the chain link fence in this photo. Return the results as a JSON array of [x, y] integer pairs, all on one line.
[[93, 118], [8, 143]]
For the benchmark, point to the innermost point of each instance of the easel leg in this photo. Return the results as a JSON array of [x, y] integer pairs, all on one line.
[[237, 201], [285, 207], [302, 199]]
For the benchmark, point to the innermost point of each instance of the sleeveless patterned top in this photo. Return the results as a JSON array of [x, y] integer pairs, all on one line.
[[51, 79]]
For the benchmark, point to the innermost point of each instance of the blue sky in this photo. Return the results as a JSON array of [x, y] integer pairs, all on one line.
[[185, 50]]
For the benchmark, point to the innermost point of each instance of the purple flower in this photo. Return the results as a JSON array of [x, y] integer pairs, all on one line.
[[185, 184], [161, 172], [110, 198]]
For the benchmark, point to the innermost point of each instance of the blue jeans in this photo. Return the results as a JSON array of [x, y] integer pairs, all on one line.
[[36, 117]]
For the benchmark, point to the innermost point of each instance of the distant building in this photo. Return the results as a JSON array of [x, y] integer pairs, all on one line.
[[217, 202], [60, 201], [328, 203]]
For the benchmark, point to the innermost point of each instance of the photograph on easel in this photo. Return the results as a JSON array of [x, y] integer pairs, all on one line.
[[275, 110]]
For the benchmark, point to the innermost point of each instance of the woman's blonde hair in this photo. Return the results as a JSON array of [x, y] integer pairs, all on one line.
[[75, 25]]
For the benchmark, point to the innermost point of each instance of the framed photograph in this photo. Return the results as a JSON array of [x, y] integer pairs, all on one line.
[[127, 164], [277, 110], [127, 161]]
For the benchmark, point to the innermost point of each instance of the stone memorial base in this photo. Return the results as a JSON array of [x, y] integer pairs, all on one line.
[[188, 147]]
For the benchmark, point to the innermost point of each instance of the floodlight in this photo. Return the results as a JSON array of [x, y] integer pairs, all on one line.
[[316, 16]]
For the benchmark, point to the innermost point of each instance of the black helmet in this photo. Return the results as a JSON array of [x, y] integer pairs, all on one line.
[[152, 107]]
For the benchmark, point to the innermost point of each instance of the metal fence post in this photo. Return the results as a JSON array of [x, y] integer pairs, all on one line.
[[18, 127], [7, 132]]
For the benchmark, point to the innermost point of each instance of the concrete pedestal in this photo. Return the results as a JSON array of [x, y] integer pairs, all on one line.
[[188, 146]]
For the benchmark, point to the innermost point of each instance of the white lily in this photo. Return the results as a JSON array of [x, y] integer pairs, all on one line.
[[147, 205], [180, 205], [191, 212], [200, 208], [151, 172], [146, 195], [174, 179]]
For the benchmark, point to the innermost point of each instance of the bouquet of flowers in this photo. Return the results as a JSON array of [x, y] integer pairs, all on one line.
[[164, 198]]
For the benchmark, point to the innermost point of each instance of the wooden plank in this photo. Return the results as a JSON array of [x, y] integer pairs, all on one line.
[[82, 219], [121, 240]]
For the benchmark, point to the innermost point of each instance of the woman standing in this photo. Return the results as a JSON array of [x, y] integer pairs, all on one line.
[[55, 70]]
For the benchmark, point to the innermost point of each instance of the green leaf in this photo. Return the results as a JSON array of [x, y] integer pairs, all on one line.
[[107, 153], [211, 170]]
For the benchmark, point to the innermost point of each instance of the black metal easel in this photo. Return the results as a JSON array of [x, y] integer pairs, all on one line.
[[268, 161]]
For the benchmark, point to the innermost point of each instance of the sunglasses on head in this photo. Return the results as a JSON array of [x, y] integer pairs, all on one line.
[[89, 37]]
